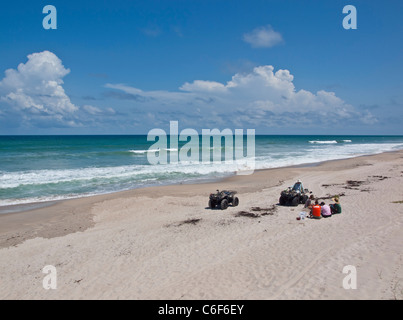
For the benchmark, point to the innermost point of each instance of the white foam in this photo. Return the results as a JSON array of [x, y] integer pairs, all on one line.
[[326, 153], [153, 150], [323, 141], [97, 180], [89, 175], [138, 172], [12, 202]]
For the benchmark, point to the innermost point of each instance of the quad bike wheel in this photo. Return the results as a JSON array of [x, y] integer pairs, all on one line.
[[224, 204], [282, 201], [295, 201], [235, 202]]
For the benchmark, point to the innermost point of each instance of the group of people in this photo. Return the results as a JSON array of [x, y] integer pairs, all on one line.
[[324, 210]]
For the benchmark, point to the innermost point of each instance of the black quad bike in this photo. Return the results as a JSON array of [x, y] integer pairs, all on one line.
[[222, 199], [290, 197]]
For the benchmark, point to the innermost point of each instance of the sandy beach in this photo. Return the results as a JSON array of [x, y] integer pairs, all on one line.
[[165, 243]]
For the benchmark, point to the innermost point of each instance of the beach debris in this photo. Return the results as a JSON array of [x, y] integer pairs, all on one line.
[[354, 184], [189, 221], [328, 196], [267, 211], [192, 221], [247, 214], [13, 237], [331, 185], [350, 184], [259, 209], [380, 178], [264, 212]]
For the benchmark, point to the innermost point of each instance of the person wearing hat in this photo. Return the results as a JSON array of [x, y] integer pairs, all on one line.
[[335, 207]]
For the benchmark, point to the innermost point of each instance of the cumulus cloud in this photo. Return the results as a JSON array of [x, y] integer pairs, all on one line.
[[261, 98], [263, 37], [36, 86], [33, 96], [203, 86], [35, 89]]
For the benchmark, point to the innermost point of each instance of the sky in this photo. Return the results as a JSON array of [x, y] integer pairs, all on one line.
[[127, 67]]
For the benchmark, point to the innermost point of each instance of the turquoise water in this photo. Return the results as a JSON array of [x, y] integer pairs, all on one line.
[[43, 168]]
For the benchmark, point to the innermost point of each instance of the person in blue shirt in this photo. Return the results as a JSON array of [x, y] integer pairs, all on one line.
[[298, 186]]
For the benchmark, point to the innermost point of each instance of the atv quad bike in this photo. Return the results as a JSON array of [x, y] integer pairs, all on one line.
[[290, 197], [222, 199]]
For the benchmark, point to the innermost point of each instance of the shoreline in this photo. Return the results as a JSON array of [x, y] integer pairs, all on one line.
[[165, 243], [49, 212], [31, 206]]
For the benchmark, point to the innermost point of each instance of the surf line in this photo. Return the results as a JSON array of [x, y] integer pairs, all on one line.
[[213, 141]]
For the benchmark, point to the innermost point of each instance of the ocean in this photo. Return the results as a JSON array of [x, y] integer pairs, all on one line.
[[36, 169]]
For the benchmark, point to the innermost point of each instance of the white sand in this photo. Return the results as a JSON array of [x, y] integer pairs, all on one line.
[[135, 245]]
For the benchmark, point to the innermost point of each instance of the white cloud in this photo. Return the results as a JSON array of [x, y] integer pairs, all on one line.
[[91, 109], [95, 111], [260, 98], [263, 37], [33, 95], [203, 86], [35, 88]]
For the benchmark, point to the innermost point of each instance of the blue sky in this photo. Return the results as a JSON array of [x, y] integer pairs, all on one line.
[[125, 67]]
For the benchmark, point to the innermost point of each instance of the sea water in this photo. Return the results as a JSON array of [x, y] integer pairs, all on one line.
[[45, 168]]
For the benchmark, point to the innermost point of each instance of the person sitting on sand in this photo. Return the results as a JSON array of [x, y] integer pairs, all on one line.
[[309, 202], [325, 210], [316, 211], [335, 207], [298, 186]]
